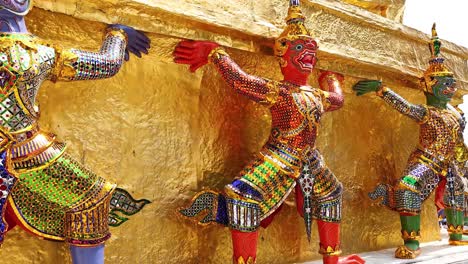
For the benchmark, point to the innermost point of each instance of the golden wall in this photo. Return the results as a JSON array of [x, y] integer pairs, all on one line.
[[392, 9], [165, 134]]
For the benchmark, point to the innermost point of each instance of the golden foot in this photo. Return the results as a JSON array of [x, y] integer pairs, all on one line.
[[458, 242], [403, 252]]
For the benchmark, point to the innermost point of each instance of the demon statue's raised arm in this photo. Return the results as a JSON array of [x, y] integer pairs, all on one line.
[[289, 159], [432, 165], [44, 190]]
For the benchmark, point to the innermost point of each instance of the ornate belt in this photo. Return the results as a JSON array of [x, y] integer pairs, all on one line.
[[438, 165], [287, 158], [32, 148]]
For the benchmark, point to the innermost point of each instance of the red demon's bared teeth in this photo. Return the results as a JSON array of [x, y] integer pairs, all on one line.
[[306, 59]]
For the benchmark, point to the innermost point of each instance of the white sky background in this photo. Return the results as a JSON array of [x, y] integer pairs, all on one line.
[[451, 17]]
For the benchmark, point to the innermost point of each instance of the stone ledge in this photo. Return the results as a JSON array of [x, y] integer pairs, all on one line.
[[433, 252], [392, 9], [352, 40]]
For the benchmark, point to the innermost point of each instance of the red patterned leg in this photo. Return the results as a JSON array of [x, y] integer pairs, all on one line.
[[439, 193], [329, 234], [244, 246]]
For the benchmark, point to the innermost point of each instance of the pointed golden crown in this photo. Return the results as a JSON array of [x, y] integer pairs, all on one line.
[[295, 28], [436, 63]]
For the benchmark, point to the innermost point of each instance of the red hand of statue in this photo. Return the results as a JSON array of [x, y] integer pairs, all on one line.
[[193, 53], [326, 80]]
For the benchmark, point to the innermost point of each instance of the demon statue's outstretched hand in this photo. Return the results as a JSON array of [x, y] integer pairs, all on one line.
[[194, 53], [55, 197], [432, 167], [289, 160], [137, 42]]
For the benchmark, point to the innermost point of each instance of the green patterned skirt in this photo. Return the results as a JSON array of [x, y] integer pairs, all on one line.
[[63, 200]]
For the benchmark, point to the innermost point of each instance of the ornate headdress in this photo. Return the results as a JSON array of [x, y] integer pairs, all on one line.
[[17, 7], [295, 28], [436, 63]]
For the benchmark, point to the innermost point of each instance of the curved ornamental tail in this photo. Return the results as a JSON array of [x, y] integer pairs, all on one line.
[[122, 203], [384, 191], [209, 202]]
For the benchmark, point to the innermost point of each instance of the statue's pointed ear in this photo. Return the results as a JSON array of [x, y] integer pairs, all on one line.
[[423, 85], [281, 45]]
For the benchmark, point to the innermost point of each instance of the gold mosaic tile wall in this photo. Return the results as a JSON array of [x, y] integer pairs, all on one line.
[[164, 133]]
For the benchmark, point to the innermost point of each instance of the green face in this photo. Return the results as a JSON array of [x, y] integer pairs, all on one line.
[[444, 88]]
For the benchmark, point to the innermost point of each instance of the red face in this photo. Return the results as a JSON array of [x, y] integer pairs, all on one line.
[[301, 56]]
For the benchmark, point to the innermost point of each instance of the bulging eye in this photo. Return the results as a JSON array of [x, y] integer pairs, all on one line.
[[448, 83], [299, 47]]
